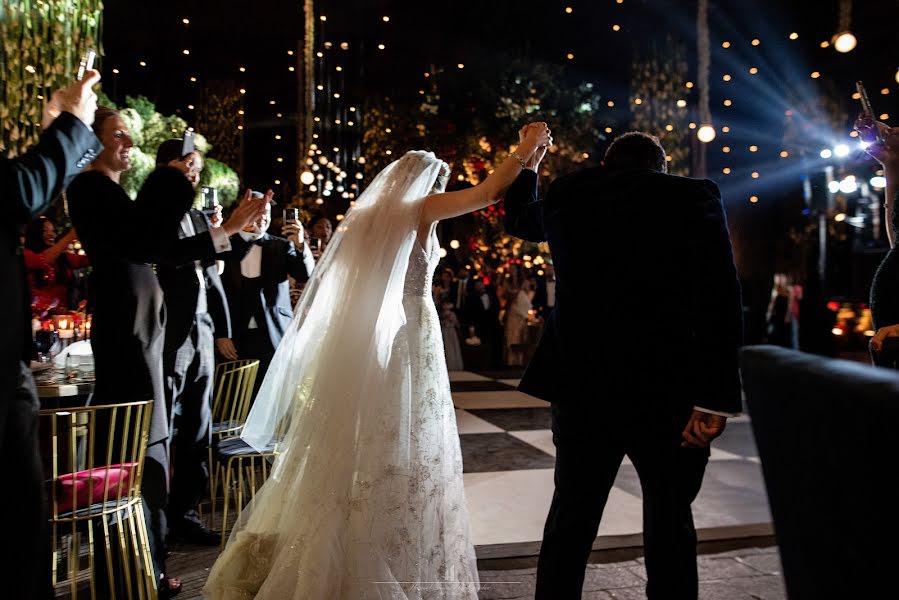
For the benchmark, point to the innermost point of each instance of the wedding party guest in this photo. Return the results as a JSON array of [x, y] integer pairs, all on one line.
[[28, 185], [443, 287], [127, 334], [483, 314], [189, 360], [256, 286], [460, 290], [885, 286], [663, 396], [320, 229], [516, 332], [51, 267], [449, 326], [782, 312]]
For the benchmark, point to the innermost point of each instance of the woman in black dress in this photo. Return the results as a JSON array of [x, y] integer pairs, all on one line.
[[885, 287]]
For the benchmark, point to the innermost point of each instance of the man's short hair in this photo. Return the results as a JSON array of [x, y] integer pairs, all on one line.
[[168, 151], [636, 150]]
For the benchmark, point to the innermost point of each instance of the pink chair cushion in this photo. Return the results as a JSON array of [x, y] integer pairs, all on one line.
[[86, 487]]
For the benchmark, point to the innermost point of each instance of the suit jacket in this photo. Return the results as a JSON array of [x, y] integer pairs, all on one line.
[[279, 259], [647, 297], [486, 320], [28, 184], [181, 287]]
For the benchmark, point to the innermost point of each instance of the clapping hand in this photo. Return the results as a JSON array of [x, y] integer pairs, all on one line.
[[79, 99], [248, 211]]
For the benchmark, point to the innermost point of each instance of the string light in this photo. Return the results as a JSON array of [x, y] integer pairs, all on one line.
[[784, 154], [884, 117], [185, 51], [692, 125], [726, 77], [616, 27], [706, 133], [277, 182], [143, 63], [386, 19], [461, 65], [825, 44], [243, 69], [753, 71], [290, 53], [726, 170], [569, 10], [608, 130], [115, 71], [291, 69], [753, 199], [381, 46], [844, 42], [794, 36], [610, 104], [569, 56], [185, 21], [726, 149], [756, 42], [725, 129], [755, 174], [727, 103], [638, 101], [725, 44], [753, 148], [815, 75], [885, 91]]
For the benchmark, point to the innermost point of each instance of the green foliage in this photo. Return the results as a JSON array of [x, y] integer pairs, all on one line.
[[42, 44]]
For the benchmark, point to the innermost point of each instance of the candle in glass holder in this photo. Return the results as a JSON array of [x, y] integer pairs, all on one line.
[[66, 329], [87, 328]]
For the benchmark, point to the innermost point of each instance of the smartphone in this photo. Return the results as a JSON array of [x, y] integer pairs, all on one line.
[[210, 199], [866, 106], [87, 63], [291, 215], [187, 143]]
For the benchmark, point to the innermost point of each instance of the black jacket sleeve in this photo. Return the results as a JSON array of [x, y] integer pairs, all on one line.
[[29, 183], [524, 212], [296, 266], [716, 305]]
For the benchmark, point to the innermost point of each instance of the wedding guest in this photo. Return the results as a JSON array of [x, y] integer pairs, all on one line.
[[781, 315], [256, 286], [449, 325], [321, 229], [28, 185], [483, 313], [51, 267], [189, 290], [127, 334], [443, 287], [517, 311], [885, 286]]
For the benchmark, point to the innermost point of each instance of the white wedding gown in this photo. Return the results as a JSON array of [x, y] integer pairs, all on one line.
[[365, 507]]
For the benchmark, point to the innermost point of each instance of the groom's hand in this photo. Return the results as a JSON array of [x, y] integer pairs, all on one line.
[[702, 428]]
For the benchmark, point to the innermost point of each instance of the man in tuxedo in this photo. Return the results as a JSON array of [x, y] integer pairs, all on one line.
[[655, 381], [258, 291], [28, 184], [482, 311], [189, 361]]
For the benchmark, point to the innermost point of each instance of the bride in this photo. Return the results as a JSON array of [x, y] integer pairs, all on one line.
[[366, 498]]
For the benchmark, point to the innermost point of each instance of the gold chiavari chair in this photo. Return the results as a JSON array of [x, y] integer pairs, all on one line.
[[245, 471], [233, 384], [94, 460]]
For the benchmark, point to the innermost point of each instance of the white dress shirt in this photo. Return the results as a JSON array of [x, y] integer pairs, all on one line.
[[222, 244]]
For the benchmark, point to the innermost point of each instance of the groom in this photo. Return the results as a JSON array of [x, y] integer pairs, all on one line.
[[645, 366]]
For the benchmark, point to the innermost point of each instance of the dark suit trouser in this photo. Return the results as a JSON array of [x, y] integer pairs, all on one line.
[[590, 445], [189, 373], [25, 564], [256, 343]]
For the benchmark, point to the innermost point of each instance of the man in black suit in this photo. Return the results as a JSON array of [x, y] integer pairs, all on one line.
[[28, 185], [189, 361], [545, 296], [656, 380], [258, 291], [482, 312]]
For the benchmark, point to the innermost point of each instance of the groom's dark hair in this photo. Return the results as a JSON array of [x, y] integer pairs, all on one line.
[[636, 150]]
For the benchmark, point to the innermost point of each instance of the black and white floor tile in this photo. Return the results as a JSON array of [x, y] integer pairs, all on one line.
[[508, 455]]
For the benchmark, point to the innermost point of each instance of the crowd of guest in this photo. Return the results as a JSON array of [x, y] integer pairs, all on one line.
[[488, 326]]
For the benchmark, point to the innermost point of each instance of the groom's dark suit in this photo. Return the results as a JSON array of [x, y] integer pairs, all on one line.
[[646, 327]]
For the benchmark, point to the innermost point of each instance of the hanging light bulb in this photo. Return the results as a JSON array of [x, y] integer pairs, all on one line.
[[897, 75], [706, 133], [844, 42], [307, 178]]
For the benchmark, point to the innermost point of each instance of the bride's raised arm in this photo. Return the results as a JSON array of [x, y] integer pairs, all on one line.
[[452, 204]]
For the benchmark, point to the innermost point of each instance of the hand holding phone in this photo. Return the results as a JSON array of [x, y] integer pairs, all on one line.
[[187, 143], [87, 63], [868, 132]]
